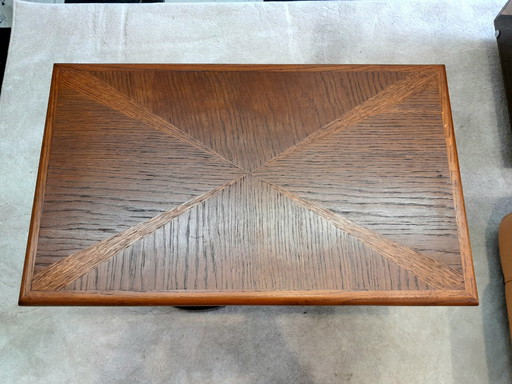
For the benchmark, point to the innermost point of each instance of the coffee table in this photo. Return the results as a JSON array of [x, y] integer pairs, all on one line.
[[248, 184]]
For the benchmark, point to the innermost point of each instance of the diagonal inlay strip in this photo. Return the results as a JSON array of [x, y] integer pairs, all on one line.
[[65, 271], [395, 93], [430, 271], [96, 89]]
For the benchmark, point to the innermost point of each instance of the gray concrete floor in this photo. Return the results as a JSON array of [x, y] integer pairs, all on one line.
[[262, 344], [6, 7]]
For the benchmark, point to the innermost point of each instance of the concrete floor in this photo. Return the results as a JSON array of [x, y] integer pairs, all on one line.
[[261, 344], [6, 7]]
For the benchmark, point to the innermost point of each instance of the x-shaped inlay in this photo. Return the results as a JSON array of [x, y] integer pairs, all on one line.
[[348, 169]]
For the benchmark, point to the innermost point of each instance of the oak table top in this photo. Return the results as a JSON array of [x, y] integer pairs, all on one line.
[[248, 184]]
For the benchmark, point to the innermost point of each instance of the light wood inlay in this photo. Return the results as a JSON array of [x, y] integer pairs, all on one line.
[[59, 274], [235, 113], [393, 94], [262, 249], [374, 175], [250, 184], [90, 86], [435, 274], [89, 194]]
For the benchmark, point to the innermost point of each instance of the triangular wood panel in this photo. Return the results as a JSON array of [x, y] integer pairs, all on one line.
[[235, 114], [260, 240], [373, 174], [108, 172]]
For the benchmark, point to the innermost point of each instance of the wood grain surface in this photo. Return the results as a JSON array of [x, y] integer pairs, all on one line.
[[192, 184], [269, 243], [373, 174], [235, 113], [108, 173]]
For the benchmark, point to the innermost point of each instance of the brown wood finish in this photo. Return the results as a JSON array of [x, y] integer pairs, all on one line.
[[283, 256], [359, 186], [458, 197], [90, 196], [507, 9], [211, 185], [266, 111]]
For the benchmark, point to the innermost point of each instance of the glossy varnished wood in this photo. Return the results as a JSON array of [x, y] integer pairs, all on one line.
[[258, 107], [383, 185], [108, 173], [211, 185], [268, 243]]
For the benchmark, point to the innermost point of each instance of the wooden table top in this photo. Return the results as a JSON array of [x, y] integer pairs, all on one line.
[[248, 184]]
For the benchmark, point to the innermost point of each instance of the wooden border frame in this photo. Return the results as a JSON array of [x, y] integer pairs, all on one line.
[[467, 296], [28, 268], [458, 195], [201, 298]]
